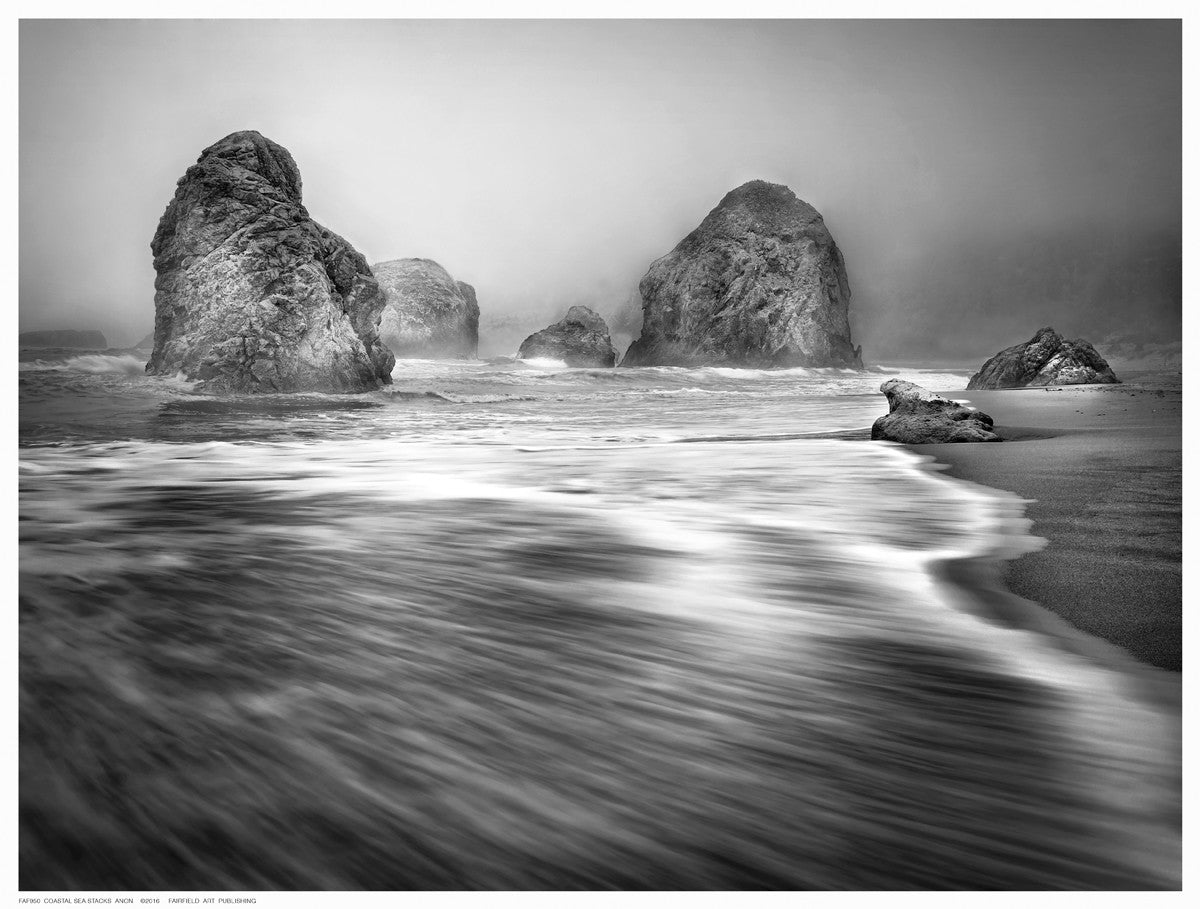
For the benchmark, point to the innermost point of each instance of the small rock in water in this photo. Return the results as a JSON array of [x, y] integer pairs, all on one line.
[[1045, 359], [917, 415], [580, 338]]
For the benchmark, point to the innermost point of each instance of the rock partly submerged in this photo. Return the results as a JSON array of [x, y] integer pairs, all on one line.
[[428, 313], [759, 283], [917, 415], [252, 294], [580, 338], [67, 337], [1045, 359]]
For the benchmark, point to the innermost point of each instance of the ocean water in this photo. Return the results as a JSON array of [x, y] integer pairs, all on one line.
[[512, 625]]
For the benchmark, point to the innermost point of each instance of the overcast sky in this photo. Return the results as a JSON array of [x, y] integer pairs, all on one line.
[[549, 162]]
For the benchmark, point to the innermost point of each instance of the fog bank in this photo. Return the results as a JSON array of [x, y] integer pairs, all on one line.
[[982, 178]]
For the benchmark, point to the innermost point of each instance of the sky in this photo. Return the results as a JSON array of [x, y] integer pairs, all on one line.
[[982, 178]]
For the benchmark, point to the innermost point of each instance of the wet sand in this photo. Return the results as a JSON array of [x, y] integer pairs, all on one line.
[[1103, 468]]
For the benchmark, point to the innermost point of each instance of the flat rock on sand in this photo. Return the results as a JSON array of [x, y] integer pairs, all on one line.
[[1103, 466], [917, 415]]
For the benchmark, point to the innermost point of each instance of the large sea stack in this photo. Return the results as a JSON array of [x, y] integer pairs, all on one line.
[[759, 283], [1045, 359], [252, 294], [580, 338], [428, 313]]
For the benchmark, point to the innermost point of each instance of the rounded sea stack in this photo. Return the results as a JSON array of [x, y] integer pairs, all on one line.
[[1045, 359], [428, 313], [760, 283], [254, 296], [580, 338]]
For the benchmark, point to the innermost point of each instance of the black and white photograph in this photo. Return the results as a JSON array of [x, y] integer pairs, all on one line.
[[597, 454]]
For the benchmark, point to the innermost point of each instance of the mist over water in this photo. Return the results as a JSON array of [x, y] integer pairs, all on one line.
[[982, 178], [651, 628]]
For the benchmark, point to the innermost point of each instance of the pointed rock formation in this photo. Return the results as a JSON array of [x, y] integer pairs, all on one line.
[[916, 416], [428, 313], [580, 338], [759, 283], [1045, 359], [252, 295]]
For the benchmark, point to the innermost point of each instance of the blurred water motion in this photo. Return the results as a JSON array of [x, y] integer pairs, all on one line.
[[337, 648]]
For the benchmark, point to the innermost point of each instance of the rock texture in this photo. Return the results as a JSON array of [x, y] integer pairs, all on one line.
[[93, 340], [1045, 359], [580, 338], [252, 295], [759, 283], [428, 313], [916, 415]]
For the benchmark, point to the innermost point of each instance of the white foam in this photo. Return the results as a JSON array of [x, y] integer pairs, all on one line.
[[544, 363], [98, 364]]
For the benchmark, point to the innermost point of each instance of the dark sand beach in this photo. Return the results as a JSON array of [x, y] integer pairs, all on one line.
[[1102, 468]]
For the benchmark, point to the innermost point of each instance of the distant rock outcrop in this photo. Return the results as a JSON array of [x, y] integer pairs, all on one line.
[[759, 283], [428, 313], [67, 337], [916, 415], [580, 338], [252, 295], [147, 343], [1045, 359]]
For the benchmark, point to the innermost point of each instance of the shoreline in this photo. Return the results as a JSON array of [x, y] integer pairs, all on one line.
[[1100, 468]]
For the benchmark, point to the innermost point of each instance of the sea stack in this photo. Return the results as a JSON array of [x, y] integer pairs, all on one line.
[[253, 295], [917, 416], [580, 338], [759, 283], [428, 313], [1045, 359]]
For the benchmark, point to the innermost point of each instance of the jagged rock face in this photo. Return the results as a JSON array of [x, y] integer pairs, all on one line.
[[1045, 359], [916, 416], [252, 295], [428, 313], [66, 337], [759, 283], [580, 338]]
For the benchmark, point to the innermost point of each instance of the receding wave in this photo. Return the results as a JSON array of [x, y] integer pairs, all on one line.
[[390, 664]]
